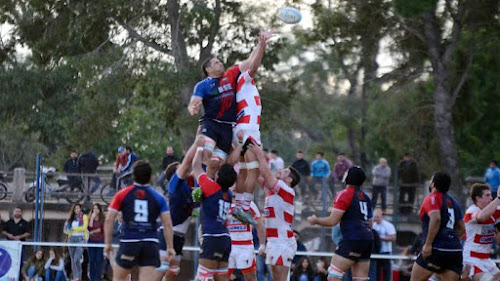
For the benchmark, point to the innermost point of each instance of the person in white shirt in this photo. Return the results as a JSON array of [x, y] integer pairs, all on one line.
[[276, 163], [387, 233]]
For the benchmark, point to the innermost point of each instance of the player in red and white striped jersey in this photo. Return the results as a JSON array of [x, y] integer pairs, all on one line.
[[242, 255], [248, 108], [279, 212], [480, 231]]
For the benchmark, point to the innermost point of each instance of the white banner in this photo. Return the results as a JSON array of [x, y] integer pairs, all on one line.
[[10, 258]]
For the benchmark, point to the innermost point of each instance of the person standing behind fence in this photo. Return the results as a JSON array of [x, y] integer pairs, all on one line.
[[492, 177], [408, 183], [168, 159], [387, 233], [71, 167], [320, 171], [76, 228], [302, 166], [96, 236], [87, 165], [381, 176], [54, 267]]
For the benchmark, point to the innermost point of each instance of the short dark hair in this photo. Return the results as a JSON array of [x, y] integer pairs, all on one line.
[[142, 172], [494, 162], [18, 207], [170, 170], [206, 63], [320, 153], [407, 154], [340, 153], [497, 226], [476, 190], [226, 176], [442, 181], [274, 151], [265, 150], [299, 151], [295, 176], [128, 148]]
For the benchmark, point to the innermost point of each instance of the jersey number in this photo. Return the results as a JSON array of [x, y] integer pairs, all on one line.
[[451, 219], [223, 209], [363, 207], [141, 210]]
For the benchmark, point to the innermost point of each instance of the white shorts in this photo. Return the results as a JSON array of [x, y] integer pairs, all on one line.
[[241, 257], [255, 134], [281, 252], [481, 265]]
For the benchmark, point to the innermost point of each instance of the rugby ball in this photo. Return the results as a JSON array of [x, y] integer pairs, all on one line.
[[289, 15]]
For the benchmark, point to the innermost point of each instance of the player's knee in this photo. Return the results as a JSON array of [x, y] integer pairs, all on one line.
[[335, 272], [204, 274], [360, 278], [174, 270]]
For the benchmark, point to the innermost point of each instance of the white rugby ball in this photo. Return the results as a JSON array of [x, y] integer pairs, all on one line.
[[289, 15]]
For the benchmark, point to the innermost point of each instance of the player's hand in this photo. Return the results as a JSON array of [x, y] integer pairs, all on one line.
[[255, 148], [108, 251], [196, 194], [240, 136], [465, 272], [426, 250], [312, 219], [194, 106], [171, 254], [266, 34], [262, 250]]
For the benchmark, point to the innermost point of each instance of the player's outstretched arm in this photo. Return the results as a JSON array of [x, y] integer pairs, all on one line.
[[332, 220], [108, 232], [183, 169], [168, 232], [253, 62], [269, 179], [489, 210], [197, 161], [194, 105]]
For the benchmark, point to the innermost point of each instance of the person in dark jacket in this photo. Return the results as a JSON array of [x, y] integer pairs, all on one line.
[[408, 183], [71, 167], [302, 166], [87, 165], [169, 158]]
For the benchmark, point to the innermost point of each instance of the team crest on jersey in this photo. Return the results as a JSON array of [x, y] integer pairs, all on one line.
[[361, 196], [140, 194]]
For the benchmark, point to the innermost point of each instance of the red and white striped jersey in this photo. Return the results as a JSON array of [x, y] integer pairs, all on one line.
[[248, 105], [279, 211], [480, 235], [241, 233]]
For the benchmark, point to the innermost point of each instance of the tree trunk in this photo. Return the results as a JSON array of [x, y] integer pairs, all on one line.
[[351, 126]]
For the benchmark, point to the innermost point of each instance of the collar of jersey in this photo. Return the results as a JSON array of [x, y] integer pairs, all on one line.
[[142, 185]]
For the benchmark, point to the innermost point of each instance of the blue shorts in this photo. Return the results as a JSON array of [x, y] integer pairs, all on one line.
[[142, 253], [356, 250], [221, 133], [178, 243], [216, 248], [439, 261]]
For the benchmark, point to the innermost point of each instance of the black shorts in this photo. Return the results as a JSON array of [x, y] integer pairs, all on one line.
[[178, 243], [439, 261], [142, 253], [221, 133], [356, 250], [216, 248]]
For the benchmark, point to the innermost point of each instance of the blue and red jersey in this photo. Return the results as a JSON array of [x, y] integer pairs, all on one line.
[[214, 207], [180, 200], [357, 208], [140, 205], [219, 96], [447, 238]]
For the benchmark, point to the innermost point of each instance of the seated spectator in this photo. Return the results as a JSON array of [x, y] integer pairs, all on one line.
[[33, 268], [303, 271], [321, 270], [54, 267]]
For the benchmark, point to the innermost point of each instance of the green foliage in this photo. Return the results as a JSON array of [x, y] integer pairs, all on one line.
[[414, 8]]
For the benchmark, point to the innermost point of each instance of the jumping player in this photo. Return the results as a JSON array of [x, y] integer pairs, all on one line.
[[442, 227], [180, 185], [279, 211], [140, 205], [215, 204], [480, 232], [353, 209], [217, 93], [242, 255]]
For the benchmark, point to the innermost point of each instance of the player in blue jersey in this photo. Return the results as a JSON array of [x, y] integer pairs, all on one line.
[[217, 93], [140, 205], [442, 227], [353, 210], [215, 204], [180, 185]]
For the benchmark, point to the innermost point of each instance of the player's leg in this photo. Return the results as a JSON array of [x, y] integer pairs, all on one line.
[[338, 266], [419, 273], [450, 275], [120, 273], [280, 272], [206, 269], [360, 270], [147, 273], [174, 269], [221, 273]]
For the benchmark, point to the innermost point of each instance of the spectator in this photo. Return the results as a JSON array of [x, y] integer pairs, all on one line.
[[96, 236], [54, 267], [321, 269], [16, 228], [169, 158], [126, 171], [320, 171], [300, 247], [33, 268], [302, 166], [408, 182], [120, 162], [340, 168], [381, 175], [303, 270], [372, 273], [387, 234], [87, 165], [71, 167], [276, 163], [492, 177], [76, 228]]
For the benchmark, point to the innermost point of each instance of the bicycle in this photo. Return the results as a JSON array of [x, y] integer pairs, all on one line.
[[3, 186], [72, 193], [109, 190]]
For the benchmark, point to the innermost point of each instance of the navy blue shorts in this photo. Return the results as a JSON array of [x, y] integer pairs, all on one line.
[[178, 243], [142, 253], [216, 248], [221, 133], [356, 250], [439, 261]]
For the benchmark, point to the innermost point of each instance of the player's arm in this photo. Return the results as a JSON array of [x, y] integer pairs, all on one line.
[[434, 223], [168, 232], [194, 105], [197, 161], [183, 169], [261, 234], [269, 179], [460, 228], [332, 220], [109, 222], [488, 211]]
